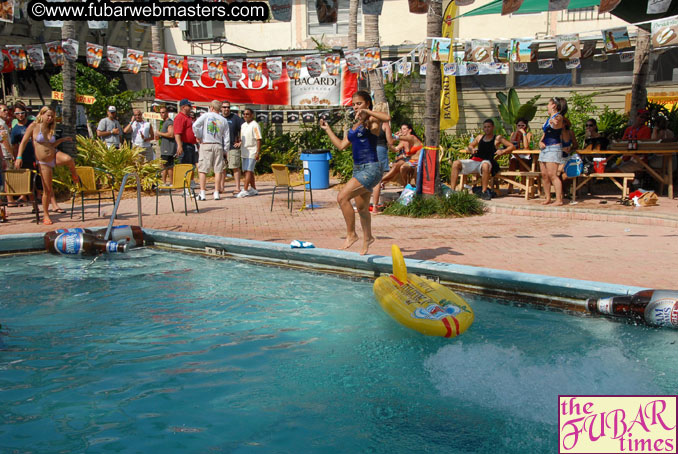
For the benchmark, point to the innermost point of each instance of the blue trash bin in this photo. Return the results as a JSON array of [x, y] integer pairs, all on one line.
[[318, 162]]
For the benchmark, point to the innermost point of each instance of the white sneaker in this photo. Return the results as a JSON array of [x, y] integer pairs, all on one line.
[[188, 192], [216, 195], [242, 194], [253, 191], [202, 197]]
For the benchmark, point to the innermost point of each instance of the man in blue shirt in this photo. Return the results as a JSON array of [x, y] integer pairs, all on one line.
[[233, 153]]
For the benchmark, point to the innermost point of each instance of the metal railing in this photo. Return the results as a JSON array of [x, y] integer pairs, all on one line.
[[117, 202]]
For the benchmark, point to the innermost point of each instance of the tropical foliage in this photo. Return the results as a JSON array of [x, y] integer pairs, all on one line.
[[458, 204], [510, 109]]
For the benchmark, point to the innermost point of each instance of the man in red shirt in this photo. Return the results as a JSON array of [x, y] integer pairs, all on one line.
[[639, 130], [183, 133]]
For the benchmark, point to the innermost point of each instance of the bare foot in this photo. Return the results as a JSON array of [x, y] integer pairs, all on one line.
[[546, 202], [366, 245], [349, 241], [557, 204], [47, 221]]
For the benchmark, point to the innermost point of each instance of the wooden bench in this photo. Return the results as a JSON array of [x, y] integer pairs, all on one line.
[[578, 182], [510, 177]]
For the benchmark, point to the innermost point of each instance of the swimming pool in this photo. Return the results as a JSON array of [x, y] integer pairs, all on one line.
[[171, 352]]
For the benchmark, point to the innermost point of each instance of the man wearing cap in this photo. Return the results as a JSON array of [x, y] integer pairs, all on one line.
[[109, 129], [142, 133], [211, 129], [183, 134]]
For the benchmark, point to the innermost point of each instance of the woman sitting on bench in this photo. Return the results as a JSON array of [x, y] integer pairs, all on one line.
[[407, 155]]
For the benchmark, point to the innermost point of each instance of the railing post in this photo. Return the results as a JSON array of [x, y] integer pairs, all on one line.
[[107, 236]]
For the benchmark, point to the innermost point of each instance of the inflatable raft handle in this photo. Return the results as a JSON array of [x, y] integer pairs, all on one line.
[[399, 268]]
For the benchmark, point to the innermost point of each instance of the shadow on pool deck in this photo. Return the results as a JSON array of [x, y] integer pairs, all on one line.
[[591, 241]]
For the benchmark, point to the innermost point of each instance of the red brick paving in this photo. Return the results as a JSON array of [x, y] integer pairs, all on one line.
[[591, 240]]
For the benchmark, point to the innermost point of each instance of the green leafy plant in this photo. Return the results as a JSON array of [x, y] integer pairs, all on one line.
[[106, 91], [580, 109], [401, 110], [510, 110], [611, 123], [458, 204]]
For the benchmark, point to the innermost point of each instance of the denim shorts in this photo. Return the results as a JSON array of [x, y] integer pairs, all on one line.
[[369, 175], [552, 153], [382, 155]]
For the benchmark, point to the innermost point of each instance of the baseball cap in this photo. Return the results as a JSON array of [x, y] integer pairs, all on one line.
[[185, 102], [112, 109]]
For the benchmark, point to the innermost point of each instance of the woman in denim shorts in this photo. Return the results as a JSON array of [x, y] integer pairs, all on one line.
[[551, 146], [367, 171]]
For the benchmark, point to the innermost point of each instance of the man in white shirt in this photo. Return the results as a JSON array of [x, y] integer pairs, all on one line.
[[109, 129], [250, 136], [211, 130], [142, 133]]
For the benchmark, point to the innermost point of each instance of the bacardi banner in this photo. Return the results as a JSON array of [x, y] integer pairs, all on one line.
[[325, 90]]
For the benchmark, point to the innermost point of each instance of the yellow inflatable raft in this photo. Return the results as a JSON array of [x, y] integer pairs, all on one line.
[[420, 304]]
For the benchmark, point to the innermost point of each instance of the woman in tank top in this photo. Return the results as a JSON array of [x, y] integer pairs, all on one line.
[[367, 170], [551, 146]]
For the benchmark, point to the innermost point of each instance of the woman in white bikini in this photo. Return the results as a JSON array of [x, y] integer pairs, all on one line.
[[41, 132]]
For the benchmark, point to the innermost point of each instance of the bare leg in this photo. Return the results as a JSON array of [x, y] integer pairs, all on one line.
[[454, 174], [350, 191], [203, 181], [248, 179], [219, 181], [394, 172], [236, 177], [485, 172], [552, 168], [376, 193], [362, 202], [47, 191], [546, 182]]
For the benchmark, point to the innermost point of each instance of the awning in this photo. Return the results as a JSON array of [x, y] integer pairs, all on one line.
[[531, 6], [633, 11]]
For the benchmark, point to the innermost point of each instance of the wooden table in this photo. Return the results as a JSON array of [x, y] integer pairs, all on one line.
[[664, 177]]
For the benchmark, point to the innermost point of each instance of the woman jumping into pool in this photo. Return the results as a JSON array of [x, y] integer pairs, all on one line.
[[41, 132], [367, 171]]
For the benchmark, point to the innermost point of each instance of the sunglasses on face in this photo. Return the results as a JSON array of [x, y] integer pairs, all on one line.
[[19, 113], [588, 125]]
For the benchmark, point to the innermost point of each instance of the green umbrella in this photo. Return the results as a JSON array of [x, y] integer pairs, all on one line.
[[532, 6], [634, 11]]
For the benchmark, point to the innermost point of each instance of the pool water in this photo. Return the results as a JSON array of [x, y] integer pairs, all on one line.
[[176, 353]]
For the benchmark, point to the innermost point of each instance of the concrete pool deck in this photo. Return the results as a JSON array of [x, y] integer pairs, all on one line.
[[591, 241]]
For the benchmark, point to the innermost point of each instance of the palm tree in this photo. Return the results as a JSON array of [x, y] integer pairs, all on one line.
[[434, 27], [372, 40], [353, 24], [68, 105], [641, 69]]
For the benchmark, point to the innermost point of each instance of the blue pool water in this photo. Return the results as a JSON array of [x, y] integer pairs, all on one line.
[[175, 353]]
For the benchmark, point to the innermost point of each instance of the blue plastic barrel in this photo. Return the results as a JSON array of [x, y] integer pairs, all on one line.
[[318, 162]]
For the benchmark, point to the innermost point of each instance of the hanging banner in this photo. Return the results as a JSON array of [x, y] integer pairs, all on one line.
[[464, 2], [545, 63], [520, 67], [616, 39], [607, 5], [449, 107], [481, 51], [281, 10], [422, 69], [472, 69], [440, 49], [626, 57], [56, 53], [195, 65], [293, 66], [134, 60], [314, 65], [557, 5], [18, 56], [658, 6], [664, 32], [600, 57], [573, 63], [510, 6], [423, 54], [113, 58], [175, 66], [427, 168], [305, 91], [588, 48], [418, 6], [327, 11], [7, 11], [354, 60], [94, 53], [485, 69], [97, 24], [292, 116], [332, 64], [501, 51], [449, 69], [372, 58], [404, 67], [215, 68], [277, 117], [568, 47], [255, 69], [36, 56], [521, 51], [71, 47], [372, 7], [308, 116], [274, 66], [233, 69], [156, 62]]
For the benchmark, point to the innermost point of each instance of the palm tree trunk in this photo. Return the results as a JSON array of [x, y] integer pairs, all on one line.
[[353, 24], [434, 27], [372, 40], [68, 108], [641, 70]]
